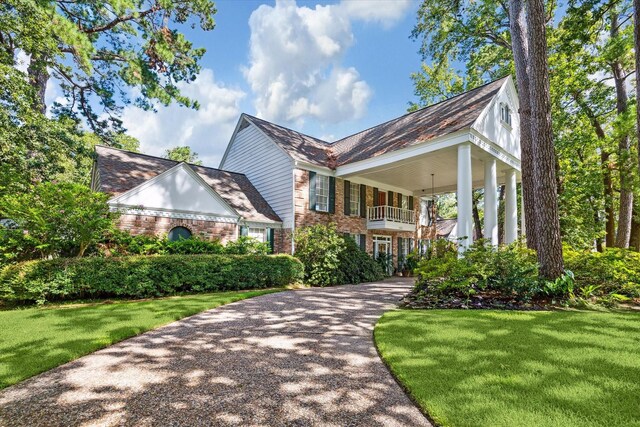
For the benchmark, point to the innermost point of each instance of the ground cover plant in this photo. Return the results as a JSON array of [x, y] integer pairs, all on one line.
[[516, 368], [143, 276], [507, 277], [33, 340]]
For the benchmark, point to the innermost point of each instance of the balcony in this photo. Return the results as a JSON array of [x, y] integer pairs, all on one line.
[[390, 218]]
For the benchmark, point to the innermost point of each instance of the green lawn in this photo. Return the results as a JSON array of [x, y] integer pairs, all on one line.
[[34, 340], [501, 368]]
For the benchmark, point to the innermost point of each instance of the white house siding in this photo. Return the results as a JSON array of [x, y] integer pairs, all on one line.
[[490, 125], [268, 168]]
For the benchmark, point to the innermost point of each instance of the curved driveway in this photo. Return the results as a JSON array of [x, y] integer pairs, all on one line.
[[294, 358]]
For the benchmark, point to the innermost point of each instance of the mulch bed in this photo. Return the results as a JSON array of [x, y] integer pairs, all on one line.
[[421, 298]]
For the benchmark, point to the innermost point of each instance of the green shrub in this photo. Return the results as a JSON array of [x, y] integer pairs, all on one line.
[[330, 259], [507, 273], [120, 243], [319, 248], [356, 266], [247, 245], [61, 219], [614, 271], [143, 276]]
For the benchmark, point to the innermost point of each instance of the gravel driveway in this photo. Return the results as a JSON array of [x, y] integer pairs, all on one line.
[[292, 358]]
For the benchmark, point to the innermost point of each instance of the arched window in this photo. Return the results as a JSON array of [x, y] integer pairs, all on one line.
[[178, 233]]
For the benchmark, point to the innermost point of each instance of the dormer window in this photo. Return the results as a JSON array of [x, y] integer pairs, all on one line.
[[505, 114]]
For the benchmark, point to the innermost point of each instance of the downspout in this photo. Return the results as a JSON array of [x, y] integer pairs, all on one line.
[[293, 208]]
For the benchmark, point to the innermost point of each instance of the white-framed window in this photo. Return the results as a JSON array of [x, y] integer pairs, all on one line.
[[358, 239], [354, 199], [404, 202], [322, 193], [259, 234], [505, 114]]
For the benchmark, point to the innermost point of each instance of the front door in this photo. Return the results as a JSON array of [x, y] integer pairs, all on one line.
[[382, 248], [382, 198]]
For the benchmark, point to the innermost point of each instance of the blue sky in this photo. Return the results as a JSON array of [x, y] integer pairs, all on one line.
[[328, 69]]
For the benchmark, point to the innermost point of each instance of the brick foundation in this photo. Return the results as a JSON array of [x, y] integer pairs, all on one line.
[[154, 225]]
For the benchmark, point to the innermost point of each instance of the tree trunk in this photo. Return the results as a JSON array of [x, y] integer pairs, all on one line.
[[548, 237], [634, 241], [596, 220], [610, 224], [520, 48], [476, 217], [636, 42], [624, 152], [38, 78]]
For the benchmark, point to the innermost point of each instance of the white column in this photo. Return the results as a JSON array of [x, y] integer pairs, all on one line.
[[465, 207], [490, 202], [510, 207]]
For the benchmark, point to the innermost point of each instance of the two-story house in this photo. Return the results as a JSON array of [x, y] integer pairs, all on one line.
[[374, 184], [371, 184]]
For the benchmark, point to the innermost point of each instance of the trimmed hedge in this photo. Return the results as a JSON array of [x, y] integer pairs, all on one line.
[[143, 276]]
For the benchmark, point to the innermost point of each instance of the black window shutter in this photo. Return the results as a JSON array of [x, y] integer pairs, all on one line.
[[363, 200], [375, 196], [390, 199], [312, 191], [363, 242], [400, 251], [347, 198], [411, 203], [332, 195], [270, 239]]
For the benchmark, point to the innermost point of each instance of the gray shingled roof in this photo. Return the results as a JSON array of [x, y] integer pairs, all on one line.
[[299, 146], [119, 171], [448, 116], [440, 119]]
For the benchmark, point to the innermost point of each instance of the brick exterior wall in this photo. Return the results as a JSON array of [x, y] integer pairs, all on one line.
[[155, 225], [345, 224]]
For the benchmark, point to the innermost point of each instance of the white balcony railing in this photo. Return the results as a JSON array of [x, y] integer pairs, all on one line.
[[391, 213]]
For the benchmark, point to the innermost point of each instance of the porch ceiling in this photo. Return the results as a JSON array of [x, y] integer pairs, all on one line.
[[414, 173]]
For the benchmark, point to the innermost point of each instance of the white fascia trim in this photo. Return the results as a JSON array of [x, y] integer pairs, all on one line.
[[201, 216], [323, 170], [230, 143], [184, 166], [494, 150], [379, 185], [260, 224], [269, 138], [406, 153], [508, 84]]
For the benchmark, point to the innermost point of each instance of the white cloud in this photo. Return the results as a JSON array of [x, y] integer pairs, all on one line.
[[295, 64], [385, 12], [207, 130]]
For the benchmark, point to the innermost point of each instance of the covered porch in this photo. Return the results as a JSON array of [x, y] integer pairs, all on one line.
[[458, 163]]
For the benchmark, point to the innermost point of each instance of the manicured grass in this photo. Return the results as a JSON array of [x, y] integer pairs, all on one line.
[[34, 340], [500, 368]]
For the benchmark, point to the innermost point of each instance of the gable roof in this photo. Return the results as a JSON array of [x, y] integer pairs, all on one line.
[[299, 146], [448, 116], [119, 171], [451, 115]]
